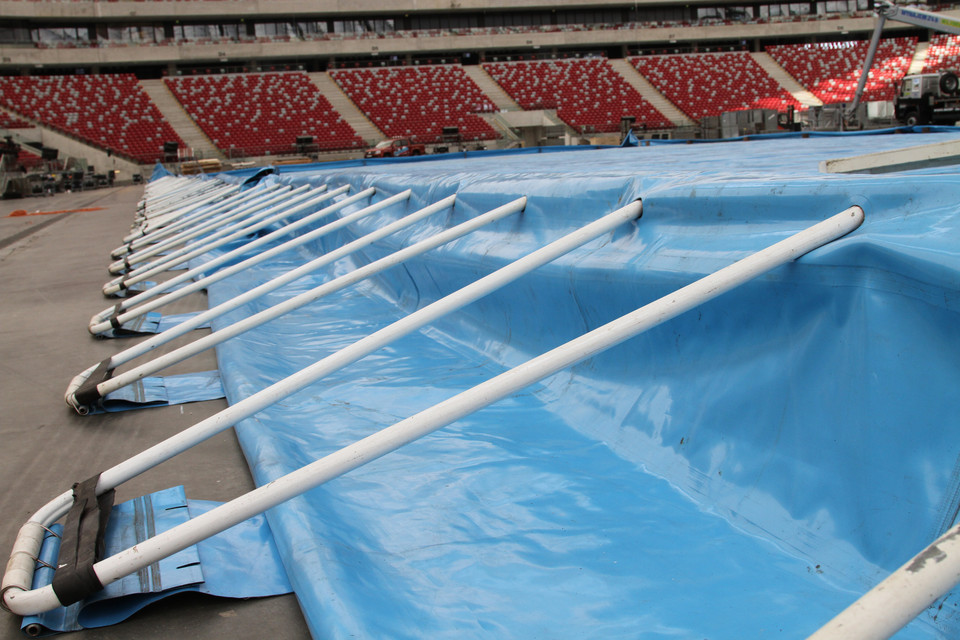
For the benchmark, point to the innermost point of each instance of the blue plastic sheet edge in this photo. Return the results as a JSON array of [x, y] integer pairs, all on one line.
[[152, 392], [159, 171], [241, 562], [151, 323]]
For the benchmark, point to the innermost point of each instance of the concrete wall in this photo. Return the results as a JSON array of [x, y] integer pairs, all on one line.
[[89, 9], [243, 52], [68, 147]]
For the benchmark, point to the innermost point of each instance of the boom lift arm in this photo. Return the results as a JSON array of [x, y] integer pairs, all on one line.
[[911, 15]]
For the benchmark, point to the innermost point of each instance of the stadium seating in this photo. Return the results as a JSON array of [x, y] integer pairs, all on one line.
[[262, 113], [28, 159], [831, 70], [108, 111], [944, 53], [8, 121], [418, 101], [587, 93], [709, 84]]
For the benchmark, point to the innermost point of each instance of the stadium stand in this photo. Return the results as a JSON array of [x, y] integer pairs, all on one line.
[[8, 121], [831, 70], [108, 111], [709, 84], [262, 113], [944, 53], [418, 101], [587, 93], [28, 159]]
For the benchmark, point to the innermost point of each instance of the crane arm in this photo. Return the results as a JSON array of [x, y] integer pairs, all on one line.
[[910, 15]]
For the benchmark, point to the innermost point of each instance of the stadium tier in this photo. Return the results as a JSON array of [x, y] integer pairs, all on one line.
[[831, 70], [587, 93], [419, 101], [107, 111], [944, 53], [709, 84], [262, 114], [8, 121], [28, 159]]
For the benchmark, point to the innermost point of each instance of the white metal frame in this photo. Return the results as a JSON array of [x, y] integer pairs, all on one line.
[[902, 596], [231, 232], [137, 305], [156, 212], [214, 263], [20, 598], [153, 342], [204, 220], [279, 309], [181, 217], [189, 223]]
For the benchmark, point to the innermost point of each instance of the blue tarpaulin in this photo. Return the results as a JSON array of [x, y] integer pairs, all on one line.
[[162, 391], [743, 471], [150, 322], [241, 562]]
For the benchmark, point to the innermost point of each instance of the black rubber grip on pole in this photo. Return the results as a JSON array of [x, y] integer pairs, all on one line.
[[115, 317], [87, 394], [82, 543]]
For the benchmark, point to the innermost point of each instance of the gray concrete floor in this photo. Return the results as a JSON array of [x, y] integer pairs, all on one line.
[[51, 270]]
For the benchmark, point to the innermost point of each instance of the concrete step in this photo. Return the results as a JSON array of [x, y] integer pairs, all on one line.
[[785, 80], [346, 108], [180, 120], [494, 91], [919, 58], [650, 93]]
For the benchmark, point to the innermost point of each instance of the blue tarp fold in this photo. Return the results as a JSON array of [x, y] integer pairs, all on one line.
[[163, 391], [149, 323], [241, 562]]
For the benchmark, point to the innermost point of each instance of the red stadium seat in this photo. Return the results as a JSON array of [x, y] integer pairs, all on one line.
[[831, 70], [944, 53], [711, 83], [107, 111], [8, 121], [417, 102], [587, 93], [263, 113]]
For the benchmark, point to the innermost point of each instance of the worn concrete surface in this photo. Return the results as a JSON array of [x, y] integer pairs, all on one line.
[[51, 270]]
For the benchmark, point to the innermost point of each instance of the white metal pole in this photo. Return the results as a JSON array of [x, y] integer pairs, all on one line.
[[25, 602], [139, 304], [155, 211], [142, 224], [225, 307], [206, 220], [196, 223], [279, 309], [262, 219], [175, 223], [185, 206], [210, 216], [160, 185], [137, 237], [228, 223], [183, 191], [249, 247], [419, 318], [155, 199], [902, 596]]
